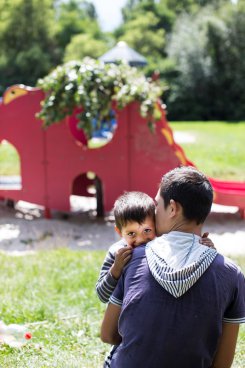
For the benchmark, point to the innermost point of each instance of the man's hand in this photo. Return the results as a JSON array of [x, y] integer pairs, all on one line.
[[122, 257]]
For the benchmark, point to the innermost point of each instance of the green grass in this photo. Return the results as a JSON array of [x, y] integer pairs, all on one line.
[[9, 160], [52, 286], [57, 287], [218, 150]]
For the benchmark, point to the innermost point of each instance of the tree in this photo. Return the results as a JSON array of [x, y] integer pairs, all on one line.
[[28, 49], [34, 35], [166, 11], [140, 33], [138, 8], [83, 45], [209, 53], [144, 29], [75, 17], [227, 50]]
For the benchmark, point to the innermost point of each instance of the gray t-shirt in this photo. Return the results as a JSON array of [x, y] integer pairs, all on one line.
[[161, 331]]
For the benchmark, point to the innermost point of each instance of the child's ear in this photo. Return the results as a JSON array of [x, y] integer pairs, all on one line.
[[118, 231]]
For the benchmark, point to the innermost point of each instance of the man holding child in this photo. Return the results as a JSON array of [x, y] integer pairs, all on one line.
[[180, 303]]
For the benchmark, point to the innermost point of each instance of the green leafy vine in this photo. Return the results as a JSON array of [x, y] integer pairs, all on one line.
[[94, 86]]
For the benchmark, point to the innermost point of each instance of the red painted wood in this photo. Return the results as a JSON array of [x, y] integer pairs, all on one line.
[[53, 160]]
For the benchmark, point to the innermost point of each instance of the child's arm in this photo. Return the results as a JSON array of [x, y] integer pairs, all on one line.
[[111, 271], [106, 283]]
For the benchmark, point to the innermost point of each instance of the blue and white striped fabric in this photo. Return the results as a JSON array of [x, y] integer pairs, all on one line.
[[177, 260], [106, 283]]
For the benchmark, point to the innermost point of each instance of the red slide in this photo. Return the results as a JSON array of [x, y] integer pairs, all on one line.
[[229, 193]]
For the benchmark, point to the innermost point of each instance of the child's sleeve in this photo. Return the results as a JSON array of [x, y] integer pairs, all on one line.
[[106, 282]]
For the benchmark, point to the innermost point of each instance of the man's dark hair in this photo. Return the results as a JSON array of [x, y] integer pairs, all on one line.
[[191, 189], [133, 206]]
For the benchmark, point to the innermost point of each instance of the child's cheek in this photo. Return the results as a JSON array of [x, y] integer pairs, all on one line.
[[152, 237]]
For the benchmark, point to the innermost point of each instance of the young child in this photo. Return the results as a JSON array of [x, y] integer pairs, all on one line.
[[134, 214], [135, 222]]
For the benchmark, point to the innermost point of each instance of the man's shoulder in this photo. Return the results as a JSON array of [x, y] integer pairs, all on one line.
[[226, 262], [226, 265], [137, 258], [139, 251]]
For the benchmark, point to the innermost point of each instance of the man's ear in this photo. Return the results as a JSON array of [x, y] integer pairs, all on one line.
[[118, 231], [173, 208]]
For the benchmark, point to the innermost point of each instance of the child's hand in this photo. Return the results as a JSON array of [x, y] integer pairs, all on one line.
[[207, 241], [122, 257]]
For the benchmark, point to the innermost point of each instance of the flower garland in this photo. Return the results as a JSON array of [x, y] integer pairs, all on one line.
[[93, 86]]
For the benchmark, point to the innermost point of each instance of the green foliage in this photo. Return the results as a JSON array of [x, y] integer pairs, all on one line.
[[204, 64], [94, 86], [145, 26], [188, 49], [34, 35], [83, 45], [226, 35], [141, 34], [192, 6], [26, 41], [210, 66], [75, 17]]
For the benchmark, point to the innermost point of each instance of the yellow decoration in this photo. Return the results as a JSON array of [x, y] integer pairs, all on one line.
[[167, 134], [12, 93], [181, 157]]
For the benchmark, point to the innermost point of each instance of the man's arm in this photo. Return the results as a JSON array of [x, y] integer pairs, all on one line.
[[109, 328], [227, 346]]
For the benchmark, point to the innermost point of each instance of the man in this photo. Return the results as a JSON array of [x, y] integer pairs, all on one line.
[[179, 302]]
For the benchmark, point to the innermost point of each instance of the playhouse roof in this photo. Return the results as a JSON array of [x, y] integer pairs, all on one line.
[[123, 52]]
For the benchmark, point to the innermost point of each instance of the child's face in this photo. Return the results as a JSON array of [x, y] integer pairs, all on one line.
[[136, 234]]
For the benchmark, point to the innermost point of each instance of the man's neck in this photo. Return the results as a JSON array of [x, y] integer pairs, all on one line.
[[187, 227]]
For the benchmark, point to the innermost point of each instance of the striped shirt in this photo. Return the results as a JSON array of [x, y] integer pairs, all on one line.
[[106, 283]]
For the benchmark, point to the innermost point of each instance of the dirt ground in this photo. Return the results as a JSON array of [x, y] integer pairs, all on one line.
[[23, 229]]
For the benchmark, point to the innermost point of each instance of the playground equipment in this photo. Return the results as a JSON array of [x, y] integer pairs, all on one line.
[[55, 161]]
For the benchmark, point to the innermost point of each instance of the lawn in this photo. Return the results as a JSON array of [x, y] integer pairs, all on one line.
[[9, 160], [218, 148], [57, 288]]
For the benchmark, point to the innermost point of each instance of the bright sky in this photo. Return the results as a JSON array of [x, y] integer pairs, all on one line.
[[109, 13]]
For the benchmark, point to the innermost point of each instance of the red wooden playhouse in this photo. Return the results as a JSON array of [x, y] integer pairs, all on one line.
[[54, 163]]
